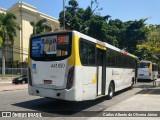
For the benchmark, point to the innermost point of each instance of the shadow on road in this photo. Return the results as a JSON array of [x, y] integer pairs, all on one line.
[[63, 108], [58, 106], [144, 84], [149, 87], [144, 81], [150, 92], [66, 108]]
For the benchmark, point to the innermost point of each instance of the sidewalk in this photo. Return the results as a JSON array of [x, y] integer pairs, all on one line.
[[10, 87], [147, 100], [13, 87], [6, 79]]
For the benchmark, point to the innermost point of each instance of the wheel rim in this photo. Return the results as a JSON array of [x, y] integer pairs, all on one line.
[[111, 90], [23, 82]]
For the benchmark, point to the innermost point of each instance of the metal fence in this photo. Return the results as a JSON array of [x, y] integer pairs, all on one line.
[[15, 71]]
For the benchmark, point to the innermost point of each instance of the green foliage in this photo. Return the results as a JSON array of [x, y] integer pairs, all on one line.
[[86, 21], [125, 35], [134, 31], [1, 41], [152, 44], [40, 26], [8, 26], [97, 23], [121, 34]]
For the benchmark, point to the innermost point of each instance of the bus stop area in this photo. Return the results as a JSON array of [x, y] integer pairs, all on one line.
[[147, 100]]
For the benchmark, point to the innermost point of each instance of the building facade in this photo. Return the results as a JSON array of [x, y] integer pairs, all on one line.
[[17, 53]]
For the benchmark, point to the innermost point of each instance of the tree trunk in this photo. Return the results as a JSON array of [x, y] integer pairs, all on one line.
[[3, 60]]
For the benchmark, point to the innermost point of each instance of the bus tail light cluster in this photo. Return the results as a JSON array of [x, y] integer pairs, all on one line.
[[149, 74], [70, 78], [29, 76]]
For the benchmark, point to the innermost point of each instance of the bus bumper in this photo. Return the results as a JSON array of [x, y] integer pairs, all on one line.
[[69, 95], [144, 78]]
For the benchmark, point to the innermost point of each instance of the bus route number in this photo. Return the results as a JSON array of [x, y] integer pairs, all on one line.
[[58, 65]]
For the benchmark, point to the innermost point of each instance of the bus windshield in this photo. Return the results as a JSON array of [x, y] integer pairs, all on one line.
[[50, 47], [144, 65]]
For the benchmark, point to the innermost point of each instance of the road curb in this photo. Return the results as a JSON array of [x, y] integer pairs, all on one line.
[[5, 82]]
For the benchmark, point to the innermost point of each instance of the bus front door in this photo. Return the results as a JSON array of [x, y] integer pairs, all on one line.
[[101, 72]]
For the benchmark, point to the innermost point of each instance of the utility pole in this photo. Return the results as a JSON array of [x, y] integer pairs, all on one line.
[[63, 14]]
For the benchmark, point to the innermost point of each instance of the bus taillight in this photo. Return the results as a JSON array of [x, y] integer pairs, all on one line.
[[29, 76], [149, 74], [70, 78]]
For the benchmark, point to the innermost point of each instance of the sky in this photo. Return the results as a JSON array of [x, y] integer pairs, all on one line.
[[119, 9]]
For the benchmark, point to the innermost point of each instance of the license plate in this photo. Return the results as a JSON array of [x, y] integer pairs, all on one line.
[[47, 82]]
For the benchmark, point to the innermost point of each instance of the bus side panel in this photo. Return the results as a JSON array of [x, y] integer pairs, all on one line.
[[128, 75], [85, 77], [77, 85], [74, 59], [117, 76], [88, 78], [121, 77]]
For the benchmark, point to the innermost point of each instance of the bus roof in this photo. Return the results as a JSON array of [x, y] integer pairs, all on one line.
[[103, 44], [89, 39], [147, 61]]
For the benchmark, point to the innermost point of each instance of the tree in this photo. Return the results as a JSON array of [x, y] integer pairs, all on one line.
[[77, 18], [97, 28], [1, 41], [72, 16], [85, 21], [8, 27], [152, 44], [124, 35], [132, 33], [40, 26]]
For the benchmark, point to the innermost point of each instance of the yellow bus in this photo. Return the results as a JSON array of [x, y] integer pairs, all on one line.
[[147, 70]]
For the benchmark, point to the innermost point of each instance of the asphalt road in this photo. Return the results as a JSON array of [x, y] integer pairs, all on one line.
[[19, 100]]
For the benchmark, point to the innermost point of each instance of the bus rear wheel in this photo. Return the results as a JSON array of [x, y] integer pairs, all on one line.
[[111, 91], [132, 86]]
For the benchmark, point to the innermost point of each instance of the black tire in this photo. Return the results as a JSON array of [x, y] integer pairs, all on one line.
[[23, 82], [111, 91], [132, 86]]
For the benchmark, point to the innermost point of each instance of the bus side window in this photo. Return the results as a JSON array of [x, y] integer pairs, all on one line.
[[118, 60], [87, 53], [110, 58], [91, 54], [83, 53]]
